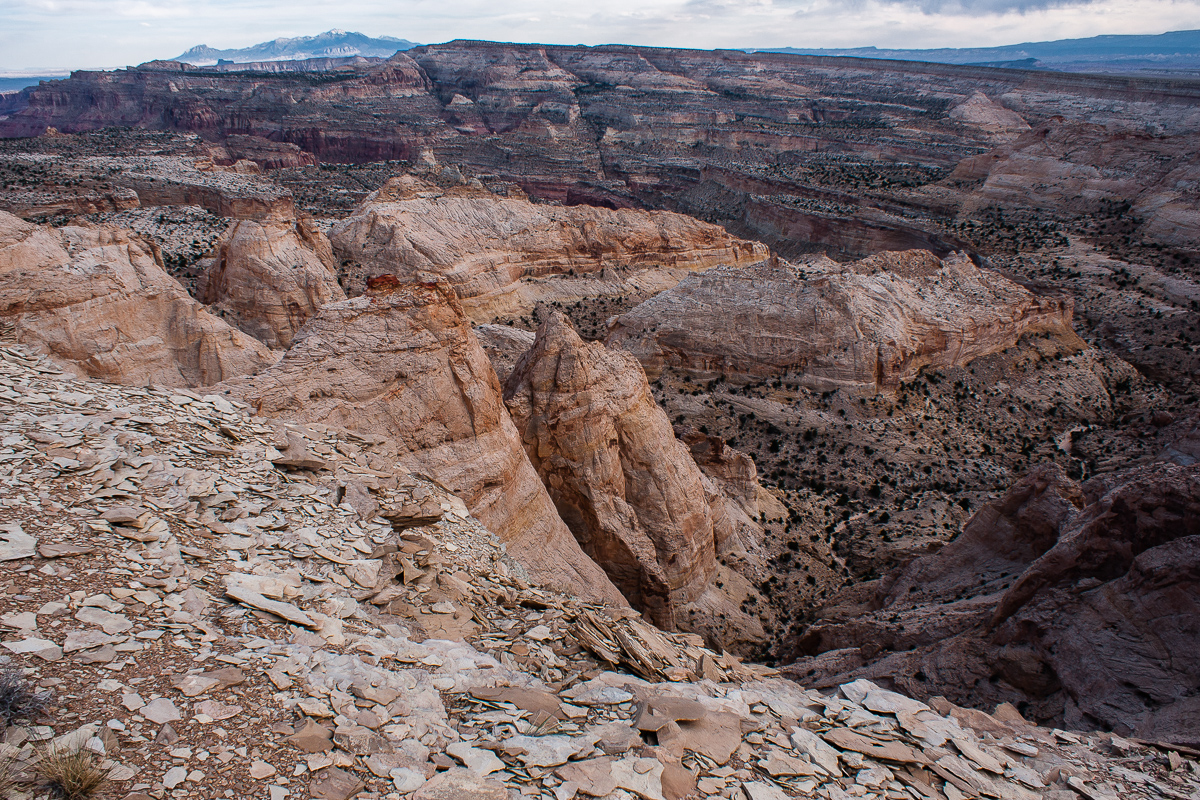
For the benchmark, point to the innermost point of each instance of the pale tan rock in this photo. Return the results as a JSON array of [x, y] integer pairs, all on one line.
[[981, 111], [715, 736], [866, 326], [312, 738], [97, 301], [627, 488], [847, 739], [496, 251], [402, 362], [461, 784], [270, 277]]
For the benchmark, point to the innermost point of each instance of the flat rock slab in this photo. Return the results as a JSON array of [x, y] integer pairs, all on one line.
[[617, 738], [312, 738], [64, 550], [217, 711], [677, 782], [477, 760], [547, 751], [778, 764], [715, 736], [174, 776], [593, 776], [677, 708], [84, 640], [110, 623], [360, 741], [407, 780], [15, 543], [123, 515], [887, 702], [461, 784], [161, 711], [335, 784], [977, 754], [193, 685], [531, 700], [42, 648], [759, 790], [816, 749], [384, 764], [642, 776], [598, 696], [280, 609], [847, 739]]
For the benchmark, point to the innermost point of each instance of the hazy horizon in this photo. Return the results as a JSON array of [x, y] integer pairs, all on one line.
[[45, 36]]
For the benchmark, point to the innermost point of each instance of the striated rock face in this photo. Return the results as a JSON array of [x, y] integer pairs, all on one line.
[[270, 277], [867, 325], [495, 251], [1082, 167], [1078, 603], [401, 361], [97, 300], [627, 488]]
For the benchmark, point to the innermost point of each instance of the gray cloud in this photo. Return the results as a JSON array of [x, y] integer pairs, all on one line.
[[727, 8], [988, 6]]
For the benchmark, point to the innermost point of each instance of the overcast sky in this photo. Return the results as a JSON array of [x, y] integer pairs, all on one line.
[[45, 34]]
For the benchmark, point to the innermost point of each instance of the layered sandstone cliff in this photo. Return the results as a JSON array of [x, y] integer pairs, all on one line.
[[497, 252], [1079, 603], [401, 361], [270, 277], [97, 300], [867, 325], [627, 488], [803, 153]]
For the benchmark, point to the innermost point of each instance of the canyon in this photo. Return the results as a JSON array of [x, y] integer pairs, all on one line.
[[881, 375]]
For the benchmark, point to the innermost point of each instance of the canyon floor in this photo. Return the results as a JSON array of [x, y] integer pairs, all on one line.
[[603, 422]]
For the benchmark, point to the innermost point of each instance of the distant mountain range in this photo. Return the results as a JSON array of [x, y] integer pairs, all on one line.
[[330, 44], [1167, 52], [15, 83]]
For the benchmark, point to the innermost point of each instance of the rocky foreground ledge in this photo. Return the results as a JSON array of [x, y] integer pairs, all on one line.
[[227, 606]]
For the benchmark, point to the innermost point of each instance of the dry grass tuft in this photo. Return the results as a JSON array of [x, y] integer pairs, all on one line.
[[72, 774], [8, 770], [17, 699]]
